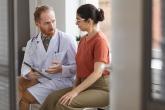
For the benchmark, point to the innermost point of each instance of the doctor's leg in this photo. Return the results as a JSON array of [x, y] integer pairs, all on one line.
[[23, 84], [25, 97], [26, 100]]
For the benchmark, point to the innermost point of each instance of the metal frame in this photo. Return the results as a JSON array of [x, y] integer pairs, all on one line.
[[147, 33], [12, 89], [19, 33], [147, 101]]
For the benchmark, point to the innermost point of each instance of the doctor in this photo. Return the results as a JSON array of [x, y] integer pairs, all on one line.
[[51, 52]]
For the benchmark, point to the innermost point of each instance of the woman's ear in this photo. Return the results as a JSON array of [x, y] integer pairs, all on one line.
[[90, 21]]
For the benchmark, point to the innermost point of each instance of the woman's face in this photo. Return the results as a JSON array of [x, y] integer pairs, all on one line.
[[81, 23]]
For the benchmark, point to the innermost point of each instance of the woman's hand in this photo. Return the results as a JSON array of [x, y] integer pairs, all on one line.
[[68, 97]]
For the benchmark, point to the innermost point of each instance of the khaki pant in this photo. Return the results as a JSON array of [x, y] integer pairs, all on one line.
[[96, 95], [26, 98]]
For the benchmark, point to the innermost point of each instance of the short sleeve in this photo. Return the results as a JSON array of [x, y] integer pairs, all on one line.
[[101, 51]]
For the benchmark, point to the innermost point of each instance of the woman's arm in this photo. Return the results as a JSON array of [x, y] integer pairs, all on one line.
[[98, 70], [77, 82]]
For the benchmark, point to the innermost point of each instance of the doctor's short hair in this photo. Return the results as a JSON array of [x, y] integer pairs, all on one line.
[[41, 9]]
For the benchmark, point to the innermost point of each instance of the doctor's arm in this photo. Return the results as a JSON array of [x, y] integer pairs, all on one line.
[[26, 71], [27, 58], [68, 69]]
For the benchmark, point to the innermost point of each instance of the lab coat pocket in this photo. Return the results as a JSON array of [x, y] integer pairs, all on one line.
[[58, 57]]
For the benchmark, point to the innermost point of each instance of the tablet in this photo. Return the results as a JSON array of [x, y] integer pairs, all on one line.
[[39, 72]]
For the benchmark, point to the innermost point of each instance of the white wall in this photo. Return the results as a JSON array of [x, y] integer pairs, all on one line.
[[126, 51], [32, 5], [94, 2], [70, 9]]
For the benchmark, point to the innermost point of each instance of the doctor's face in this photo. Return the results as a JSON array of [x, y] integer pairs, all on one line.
[[47, 23]]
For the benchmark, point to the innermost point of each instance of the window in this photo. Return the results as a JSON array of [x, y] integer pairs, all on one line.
[[156, 90], [158, 51], [4, 65]]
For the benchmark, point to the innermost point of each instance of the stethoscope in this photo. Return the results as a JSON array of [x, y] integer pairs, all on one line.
[[59, 42]]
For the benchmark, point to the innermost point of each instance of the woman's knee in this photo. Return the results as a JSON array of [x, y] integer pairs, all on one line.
[[52, 98], [60, 106]]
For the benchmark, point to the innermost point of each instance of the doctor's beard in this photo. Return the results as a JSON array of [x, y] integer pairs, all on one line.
[[49, 32]]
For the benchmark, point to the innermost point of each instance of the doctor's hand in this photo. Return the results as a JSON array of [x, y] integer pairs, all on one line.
[[68, 97], [33, 75], [55, 68]]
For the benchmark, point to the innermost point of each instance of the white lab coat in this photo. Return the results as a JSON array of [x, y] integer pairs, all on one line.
[[62, 48]]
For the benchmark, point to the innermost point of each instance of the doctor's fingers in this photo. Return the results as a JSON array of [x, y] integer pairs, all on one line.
[[34, 75], [52, 70], [55, 66], [56, 63]]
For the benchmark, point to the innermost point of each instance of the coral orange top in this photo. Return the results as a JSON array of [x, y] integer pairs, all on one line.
[[90, 51]]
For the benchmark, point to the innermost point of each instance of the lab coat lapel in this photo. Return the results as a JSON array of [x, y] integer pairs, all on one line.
[[53, 45], [50, 52], [41, 50]]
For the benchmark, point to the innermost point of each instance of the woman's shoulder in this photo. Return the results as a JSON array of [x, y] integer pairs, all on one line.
[[101, 38], [101, 35]]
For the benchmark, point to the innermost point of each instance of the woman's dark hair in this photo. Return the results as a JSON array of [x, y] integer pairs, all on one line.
[[87, 11]]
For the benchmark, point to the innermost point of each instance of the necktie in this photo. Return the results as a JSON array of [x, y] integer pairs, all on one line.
[[46, 41]]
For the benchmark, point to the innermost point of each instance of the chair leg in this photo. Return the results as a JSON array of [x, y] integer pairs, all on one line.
[[30, 107], [100, 109]]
